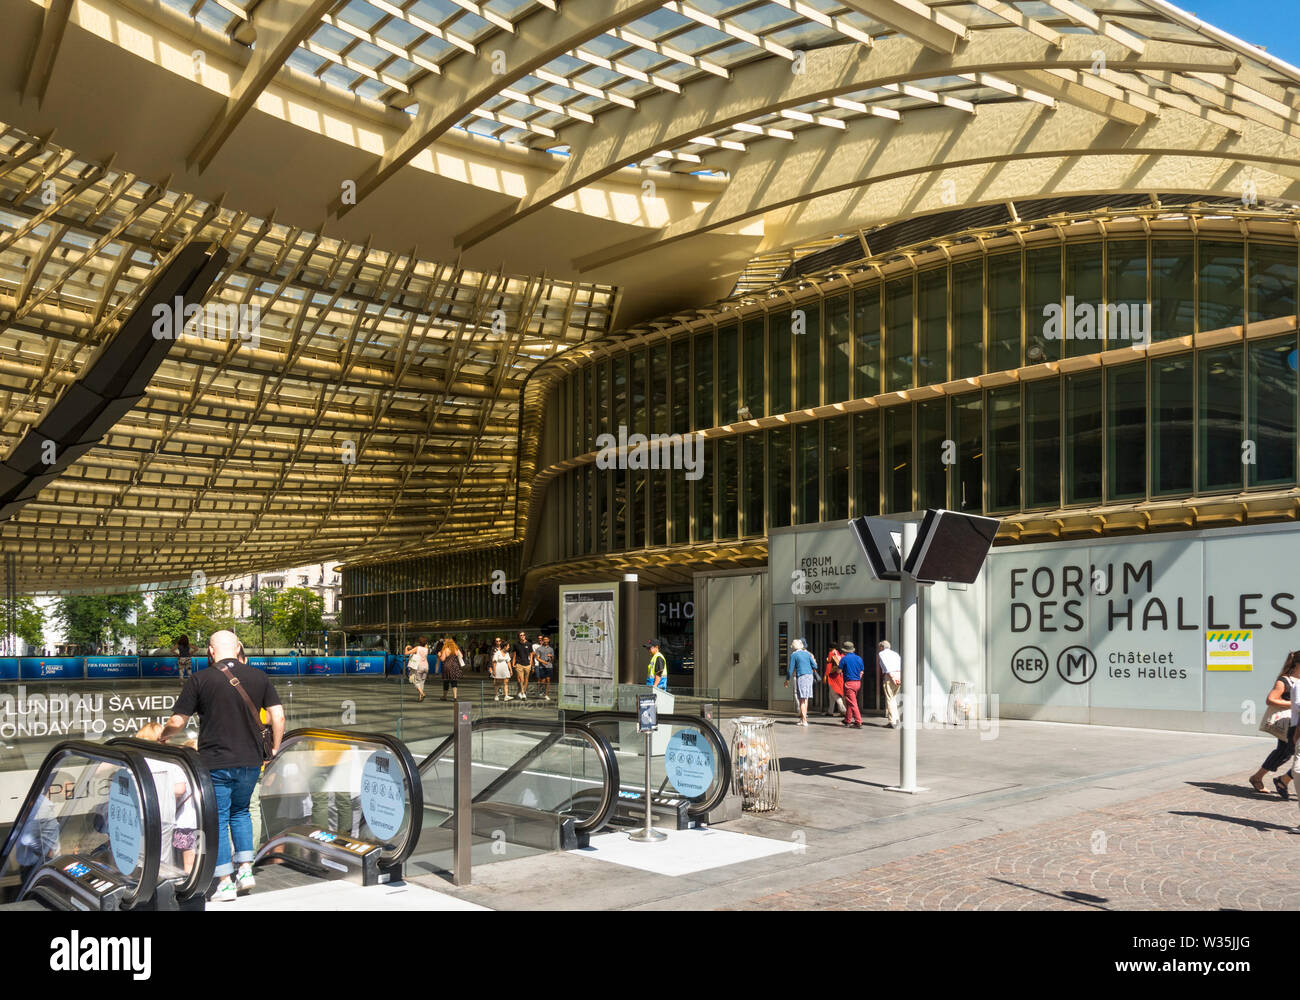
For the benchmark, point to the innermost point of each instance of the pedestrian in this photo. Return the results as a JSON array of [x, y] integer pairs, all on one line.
[[417, 667], [184, 662], [891, 665], [233, 746], [544, 656], [521, 659], [482, 659], [803, 668], [657, 669], [1282, 697], [500, 670], [852, 668], [834, 682], [453, 664]]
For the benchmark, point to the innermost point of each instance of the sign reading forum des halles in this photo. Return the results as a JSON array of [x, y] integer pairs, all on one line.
[[1124, 623]]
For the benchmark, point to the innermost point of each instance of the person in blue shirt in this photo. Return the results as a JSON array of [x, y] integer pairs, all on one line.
[[803, 668], [852, 667]]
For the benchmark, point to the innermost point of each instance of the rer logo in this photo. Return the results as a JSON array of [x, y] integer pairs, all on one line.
[[1029, 664], [1076, 664]]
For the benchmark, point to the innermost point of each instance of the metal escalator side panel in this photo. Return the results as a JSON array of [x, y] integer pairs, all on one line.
[[71, 884], [123, 828], [199, 876], [718, 748], [318, 774]]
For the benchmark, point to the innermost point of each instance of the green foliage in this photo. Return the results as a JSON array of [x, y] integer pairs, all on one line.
[[98, 620], [297, 613], [166, 620], [210, 611], [30, 620]]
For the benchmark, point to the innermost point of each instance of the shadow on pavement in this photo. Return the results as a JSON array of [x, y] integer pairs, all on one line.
[[825, 769], [1234, 791], [1069, 895], [1254, 824]]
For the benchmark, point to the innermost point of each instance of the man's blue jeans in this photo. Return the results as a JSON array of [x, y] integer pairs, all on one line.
[[234, 787]]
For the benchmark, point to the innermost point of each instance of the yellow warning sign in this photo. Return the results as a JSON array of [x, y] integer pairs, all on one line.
[[1229, 650]]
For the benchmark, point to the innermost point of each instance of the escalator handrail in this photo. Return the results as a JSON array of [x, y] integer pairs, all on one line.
[[103, 753], [711, 733], [556, 731], [205, 800], [410, 775]]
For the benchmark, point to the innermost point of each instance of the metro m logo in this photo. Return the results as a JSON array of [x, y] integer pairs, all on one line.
[[1076, 664]]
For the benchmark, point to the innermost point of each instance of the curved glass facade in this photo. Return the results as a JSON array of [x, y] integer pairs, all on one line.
[[1070, 430], [480, 586]]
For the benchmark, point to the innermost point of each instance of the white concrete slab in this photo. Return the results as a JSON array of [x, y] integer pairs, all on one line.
[[344, 896], [684, 852]]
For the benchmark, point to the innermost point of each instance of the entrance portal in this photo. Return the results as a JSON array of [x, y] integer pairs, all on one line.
[[823, 627]]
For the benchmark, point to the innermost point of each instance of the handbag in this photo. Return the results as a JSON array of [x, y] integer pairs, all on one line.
[[1276, 722], [260, 732]]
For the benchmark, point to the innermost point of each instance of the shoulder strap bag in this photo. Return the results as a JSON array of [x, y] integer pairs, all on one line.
[[260, 732]]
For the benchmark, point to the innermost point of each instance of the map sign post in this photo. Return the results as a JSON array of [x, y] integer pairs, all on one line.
[[588, 644], [647, 720]]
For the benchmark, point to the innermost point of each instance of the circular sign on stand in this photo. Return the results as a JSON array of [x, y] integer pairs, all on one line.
[[689, 763], [383, 801]]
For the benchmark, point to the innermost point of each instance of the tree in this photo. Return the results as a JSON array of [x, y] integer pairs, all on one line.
[[298, 613], [261, 628], [98, 620], [210, 611], [167, 619], [29, 620]]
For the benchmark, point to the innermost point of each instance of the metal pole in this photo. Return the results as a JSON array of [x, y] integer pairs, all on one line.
[[627, 629], [649, 835], [463, 794], [909, 637]]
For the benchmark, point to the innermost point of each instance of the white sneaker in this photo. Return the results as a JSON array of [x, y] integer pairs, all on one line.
[[546, 697], [498, 697], [522, 696], [226, 892]]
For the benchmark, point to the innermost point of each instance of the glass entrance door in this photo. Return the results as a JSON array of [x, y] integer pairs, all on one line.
[[834, 627]]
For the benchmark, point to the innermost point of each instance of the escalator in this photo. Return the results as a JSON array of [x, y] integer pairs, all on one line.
[[537, 785], [96, 830], [337, 805], [690, 767], [541, 785]]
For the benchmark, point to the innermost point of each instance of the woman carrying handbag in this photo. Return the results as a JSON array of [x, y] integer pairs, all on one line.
[[1280, 721]]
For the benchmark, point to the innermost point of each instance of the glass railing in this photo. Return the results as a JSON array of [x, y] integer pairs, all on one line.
[[338, 800], [536, 784], [88, 834], [187, 814]]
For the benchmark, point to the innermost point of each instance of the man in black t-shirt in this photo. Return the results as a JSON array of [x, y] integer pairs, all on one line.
[[521, 655], [230, 745]]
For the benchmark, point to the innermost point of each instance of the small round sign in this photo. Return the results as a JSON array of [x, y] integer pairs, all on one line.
[[383, 800], [689, 763], [124, 826]]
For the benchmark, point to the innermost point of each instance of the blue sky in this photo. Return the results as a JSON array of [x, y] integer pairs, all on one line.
[[1269, 24]]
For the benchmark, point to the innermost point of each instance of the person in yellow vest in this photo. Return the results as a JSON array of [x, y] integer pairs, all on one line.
[[657, 669]]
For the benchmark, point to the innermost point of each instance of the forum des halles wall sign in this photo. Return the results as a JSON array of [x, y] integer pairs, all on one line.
[[1192, 622]]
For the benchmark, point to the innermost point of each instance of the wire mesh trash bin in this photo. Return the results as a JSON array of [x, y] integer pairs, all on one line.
[[963, 705], [755, 767]]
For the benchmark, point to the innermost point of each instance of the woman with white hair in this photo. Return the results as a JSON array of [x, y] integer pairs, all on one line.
[[803, 668]]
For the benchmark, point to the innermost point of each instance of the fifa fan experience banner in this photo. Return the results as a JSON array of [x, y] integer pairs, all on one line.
[[66, 668], [589, 633]]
